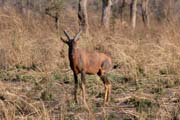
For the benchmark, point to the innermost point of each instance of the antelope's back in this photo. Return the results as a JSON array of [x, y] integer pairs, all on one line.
[[94, 61]]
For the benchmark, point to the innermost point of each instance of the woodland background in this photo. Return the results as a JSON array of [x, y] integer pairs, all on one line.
[[142, 37]]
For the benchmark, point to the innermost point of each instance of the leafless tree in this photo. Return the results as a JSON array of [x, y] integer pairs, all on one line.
[[170, 9], [82, 15], [54, 11], [106, 13], [133, 4], [145, 12], [133, 10]]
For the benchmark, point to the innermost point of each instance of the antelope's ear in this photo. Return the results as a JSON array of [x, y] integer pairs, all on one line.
[[64, 41]]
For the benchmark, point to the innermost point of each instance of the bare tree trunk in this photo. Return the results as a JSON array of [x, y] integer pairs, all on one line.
[[82, 15], [169, 13], [133, 10], [106, 13], [145, 12], [121, 9], [55, 17]]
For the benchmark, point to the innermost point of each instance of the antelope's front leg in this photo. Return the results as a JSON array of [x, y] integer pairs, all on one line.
[[75, 87], [83, 86], [83, 80]]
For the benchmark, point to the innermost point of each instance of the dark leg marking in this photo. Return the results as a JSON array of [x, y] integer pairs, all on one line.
[[75, 87]]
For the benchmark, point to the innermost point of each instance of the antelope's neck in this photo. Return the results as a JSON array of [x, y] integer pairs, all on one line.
[[72, 53], [72, 58]]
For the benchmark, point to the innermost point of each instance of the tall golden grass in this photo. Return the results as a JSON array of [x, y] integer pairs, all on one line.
[[30, 42]]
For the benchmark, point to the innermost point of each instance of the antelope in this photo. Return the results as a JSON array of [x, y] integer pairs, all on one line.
[[84, 62]]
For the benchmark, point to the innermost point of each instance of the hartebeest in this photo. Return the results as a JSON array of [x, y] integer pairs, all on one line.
[[84, 62]]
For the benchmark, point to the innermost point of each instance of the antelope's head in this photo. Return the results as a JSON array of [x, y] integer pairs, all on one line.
[[71, 42]]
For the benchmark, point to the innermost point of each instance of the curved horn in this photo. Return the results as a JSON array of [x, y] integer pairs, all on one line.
[[77, 35], [67, 35]]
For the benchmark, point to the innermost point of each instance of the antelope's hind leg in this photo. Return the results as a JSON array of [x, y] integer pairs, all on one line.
[[107, 86]]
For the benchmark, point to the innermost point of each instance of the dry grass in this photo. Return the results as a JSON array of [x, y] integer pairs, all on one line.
[[38, 83]]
